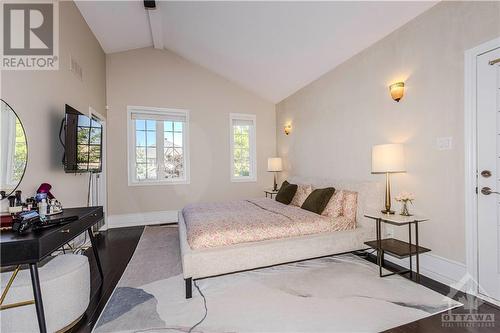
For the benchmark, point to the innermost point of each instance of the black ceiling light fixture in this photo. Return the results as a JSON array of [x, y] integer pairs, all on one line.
[[150, 4]]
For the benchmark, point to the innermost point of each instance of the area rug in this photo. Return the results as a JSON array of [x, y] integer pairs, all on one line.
[[334, 294]]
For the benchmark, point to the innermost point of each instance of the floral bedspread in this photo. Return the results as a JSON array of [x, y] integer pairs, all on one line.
[[212, 225]]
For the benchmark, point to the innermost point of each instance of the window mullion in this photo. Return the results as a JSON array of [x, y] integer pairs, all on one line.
[[160, 159], [133, 150], [232, 148], [251, 151], [184, 151]]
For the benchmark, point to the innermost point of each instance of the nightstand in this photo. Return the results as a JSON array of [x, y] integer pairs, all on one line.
[[395, 247], [270, 193]]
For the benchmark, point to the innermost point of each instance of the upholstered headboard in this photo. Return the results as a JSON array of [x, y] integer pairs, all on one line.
[[370, 194]]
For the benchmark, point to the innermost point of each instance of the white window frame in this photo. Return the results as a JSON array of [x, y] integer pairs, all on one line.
[[253, 147], [131, 136]]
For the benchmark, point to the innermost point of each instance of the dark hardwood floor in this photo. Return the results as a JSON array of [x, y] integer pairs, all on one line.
[[435, 323], [116, 247]]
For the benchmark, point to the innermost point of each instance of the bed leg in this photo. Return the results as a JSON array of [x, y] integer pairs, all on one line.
[[189, 287]]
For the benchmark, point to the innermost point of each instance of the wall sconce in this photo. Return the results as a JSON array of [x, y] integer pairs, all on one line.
[[397, 90], [288, 129]]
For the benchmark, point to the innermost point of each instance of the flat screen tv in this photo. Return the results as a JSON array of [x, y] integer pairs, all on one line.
[[82, 143]]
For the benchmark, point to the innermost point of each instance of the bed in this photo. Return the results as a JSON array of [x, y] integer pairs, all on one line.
[[228, 237]]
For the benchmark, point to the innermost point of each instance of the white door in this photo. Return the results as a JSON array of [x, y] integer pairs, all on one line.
[[488, 163]]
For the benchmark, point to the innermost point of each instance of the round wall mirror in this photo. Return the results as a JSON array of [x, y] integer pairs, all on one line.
[[14, 151]]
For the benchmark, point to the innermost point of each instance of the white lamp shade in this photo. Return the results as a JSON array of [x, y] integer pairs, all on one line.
[[388, 158], [274, 164]]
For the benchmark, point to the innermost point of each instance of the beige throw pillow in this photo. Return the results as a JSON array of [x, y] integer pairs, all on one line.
[[301, 195], [335, 205], [350, 205]]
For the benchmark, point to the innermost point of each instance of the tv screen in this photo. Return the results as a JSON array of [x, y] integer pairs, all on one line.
[[83, 143]]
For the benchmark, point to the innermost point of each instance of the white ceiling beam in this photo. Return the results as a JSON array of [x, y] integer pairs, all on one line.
[[156, 25]]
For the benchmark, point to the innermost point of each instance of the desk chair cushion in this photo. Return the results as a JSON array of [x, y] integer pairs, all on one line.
[[65, 284]]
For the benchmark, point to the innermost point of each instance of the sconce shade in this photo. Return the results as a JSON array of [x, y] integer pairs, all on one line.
[[388, 158], [288, 129], [397, 90], [274, 164]]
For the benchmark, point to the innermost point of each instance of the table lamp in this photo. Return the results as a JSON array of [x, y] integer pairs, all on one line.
[[388, 158], [275, 165]]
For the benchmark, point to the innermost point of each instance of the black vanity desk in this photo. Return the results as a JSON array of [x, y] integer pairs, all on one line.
[[34, 246]]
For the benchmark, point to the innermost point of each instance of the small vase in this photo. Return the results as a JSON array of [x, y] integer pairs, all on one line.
[[404, 209]]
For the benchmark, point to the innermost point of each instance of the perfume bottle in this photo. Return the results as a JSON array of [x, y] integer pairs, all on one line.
[[42, 208], [19, 202]]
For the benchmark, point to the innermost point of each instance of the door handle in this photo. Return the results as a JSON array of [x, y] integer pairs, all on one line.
[[488, 191], [486, 173]]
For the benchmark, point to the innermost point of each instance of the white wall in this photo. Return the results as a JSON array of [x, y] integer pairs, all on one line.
[[38, 97], [338, 118], [157, 78]]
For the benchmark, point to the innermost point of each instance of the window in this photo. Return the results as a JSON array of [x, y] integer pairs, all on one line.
[[88, 144], [158, 146], [243, 147]]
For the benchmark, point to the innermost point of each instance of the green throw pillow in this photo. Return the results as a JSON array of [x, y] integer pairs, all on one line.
[[318, 199], [286, 193]]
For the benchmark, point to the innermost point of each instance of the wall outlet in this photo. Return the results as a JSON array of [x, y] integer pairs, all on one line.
[[444, 143]]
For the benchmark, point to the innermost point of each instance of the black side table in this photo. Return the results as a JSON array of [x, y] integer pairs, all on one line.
[[396, 247], [34, 246], [270, 193]]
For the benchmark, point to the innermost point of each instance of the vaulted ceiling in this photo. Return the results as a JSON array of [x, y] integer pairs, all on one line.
[[271, 48]]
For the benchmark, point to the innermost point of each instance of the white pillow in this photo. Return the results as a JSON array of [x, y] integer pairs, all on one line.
[[350, 205], [335, 206], [301, 195]]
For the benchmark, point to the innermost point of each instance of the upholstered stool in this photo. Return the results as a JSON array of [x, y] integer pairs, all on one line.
[[65, 284]]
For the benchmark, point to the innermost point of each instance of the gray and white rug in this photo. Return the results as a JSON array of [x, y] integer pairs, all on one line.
[[335, 294]]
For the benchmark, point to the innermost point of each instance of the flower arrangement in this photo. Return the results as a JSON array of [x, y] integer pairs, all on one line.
[[405, 198]]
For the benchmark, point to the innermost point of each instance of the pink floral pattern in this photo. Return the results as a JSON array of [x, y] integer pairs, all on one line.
[[227, 223], [350, 205], [301, 195], [334, 207]]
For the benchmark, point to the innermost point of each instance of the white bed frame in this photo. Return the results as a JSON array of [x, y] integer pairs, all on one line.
[[202, 263]]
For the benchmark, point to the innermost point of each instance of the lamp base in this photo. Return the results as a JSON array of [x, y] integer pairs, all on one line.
[[387, 209]]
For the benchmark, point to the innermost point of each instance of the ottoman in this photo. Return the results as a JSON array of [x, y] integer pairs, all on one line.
[[65, 285]]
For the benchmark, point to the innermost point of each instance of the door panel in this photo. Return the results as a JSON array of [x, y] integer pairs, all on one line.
[[488, 158]]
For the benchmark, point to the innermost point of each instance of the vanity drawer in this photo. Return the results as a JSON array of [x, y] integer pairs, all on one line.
[[66, 233], [33, 246]]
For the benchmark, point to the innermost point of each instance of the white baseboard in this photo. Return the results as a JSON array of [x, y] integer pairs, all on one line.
[[440, 269], [449, 272], [136, 219]]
